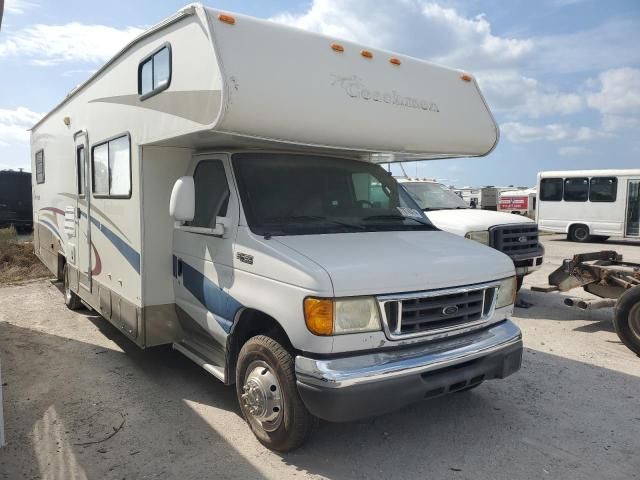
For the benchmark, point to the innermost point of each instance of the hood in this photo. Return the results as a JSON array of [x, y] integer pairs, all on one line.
[[373, 263], [470, 220]]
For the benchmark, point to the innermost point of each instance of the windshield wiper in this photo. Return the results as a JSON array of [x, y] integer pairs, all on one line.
[[314, 218], [395, 217]]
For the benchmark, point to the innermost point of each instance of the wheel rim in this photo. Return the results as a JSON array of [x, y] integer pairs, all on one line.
[[581, 233], [262, 396], [634, 320]]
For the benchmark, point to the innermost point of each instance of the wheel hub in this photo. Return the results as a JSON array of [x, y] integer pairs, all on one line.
[[261, 396]]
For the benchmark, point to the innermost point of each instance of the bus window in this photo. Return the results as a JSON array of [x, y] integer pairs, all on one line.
[[603, 189], [551, 189], [576, 189]]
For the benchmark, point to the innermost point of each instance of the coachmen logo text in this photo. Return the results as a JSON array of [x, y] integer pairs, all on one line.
[[355, 88]]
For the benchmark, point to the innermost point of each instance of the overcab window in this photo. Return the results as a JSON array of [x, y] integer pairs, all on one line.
[[154, 72]]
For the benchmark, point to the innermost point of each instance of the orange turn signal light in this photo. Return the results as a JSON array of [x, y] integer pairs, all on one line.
[[395, 61], [318, 315], [336, 47], [466, 77], [366, 53], [227, 19]]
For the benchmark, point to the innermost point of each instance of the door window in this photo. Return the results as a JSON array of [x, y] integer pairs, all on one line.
[[81, 169], [212, 193], [633, 208]]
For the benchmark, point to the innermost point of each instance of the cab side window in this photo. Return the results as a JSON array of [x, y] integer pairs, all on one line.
[[212, 193]]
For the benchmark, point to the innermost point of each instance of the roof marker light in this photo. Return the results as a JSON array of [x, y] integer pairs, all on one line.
[[336, 47], [394, 61], [466, 77], [366, 53], [227, 19]]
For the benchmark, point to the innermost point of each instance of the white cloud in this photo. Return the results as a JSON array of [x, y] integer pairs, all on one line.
[[18, 7], [15, 123], [619, 93], [573, 151], [73, 42], [517, 132]]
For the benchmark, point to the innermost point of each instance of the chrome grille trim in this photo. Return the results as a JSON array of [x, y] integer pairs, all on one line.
[[486, 311]]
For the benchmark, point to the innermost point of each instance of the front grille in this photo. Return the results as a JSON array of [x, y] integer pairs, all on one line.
[[514, 239], [432, 312]]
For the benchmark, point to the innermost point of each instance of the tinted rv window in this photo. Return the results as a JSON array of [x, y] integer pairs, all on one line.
[[576, 189], [603, 189], [551, 189], [212, 193], [81, 169], [40, 166], [112, 168], [154, 72]]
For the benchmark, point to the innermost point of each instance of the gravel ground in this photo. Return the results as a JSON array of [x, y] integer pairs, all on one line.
[[572, 412]]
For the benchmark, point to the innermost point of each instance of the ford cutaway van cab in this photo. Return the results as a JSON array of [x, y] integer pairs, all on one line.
[[514, 235], [215, 187]]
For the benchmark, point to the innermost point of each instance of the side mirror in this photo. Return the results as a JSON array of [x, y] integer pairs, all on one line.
[[183, 200]]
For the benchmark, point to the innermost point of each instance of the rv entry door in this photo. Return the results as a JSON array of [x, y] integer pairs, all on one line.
[[83, 210]]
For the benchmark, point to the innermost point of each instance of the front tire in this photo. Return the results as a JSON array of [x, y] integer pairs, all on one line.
[[71, 300], [268, 396], [626, 319], [579, 233]]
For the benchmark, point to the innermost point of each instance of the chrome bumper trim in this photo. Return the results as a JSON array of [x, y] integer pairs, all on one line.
[[383, 365]]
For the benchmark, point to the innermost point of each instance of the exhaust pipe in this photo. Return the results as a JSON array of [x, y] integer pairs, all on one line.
[[590, 304]]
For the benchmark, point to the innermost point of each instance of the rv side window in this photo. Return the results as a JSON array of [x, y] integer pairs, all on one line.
[[603, 189], [112, 168], [576, 189], [154, 72], [212, 193], [81, 169], [551, 189], [40, 166]]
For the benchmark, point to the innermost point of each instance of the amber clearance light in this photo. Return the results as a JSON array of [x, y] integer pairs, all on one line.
[[336, 47], [366, 54], [466, 77], [227, 19], [394, 61]]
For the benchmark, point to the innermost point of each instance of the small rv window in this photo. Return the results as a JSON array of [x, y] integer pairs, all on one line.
[[40, 166], [551, 190], [603, 189], [154, 72], [212, 193], [576, 189], [81, 169], [112, 168]]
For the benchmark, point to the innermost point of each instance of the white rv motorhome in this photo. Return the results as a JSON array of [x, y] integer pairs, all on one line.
[[590, 204], [213, 187]]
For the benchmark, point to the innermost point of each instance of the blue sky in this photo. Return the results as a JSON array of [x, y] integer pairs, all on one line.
[[561, 76]]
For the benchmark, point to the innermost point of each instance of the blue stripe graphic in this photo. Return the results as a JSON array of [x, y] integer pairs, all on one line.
[[123, 247], [216, 300], [53, 229]]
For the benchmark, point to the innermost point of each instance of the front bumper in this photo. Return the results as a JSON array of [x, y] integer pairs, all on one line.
[[529, 262], [348, 388]]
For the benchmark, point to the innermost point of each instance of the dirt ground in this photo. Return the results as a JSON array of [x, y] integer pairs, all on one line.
[[572, 412]]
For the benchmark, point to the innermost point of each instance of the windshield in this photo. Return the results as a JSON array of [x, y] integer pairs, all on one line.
[[285, 194], [434, 196]]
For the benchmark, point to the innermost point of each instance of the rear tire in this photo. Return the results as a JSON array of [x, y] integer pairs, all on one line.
[[268, 396], [71, 300], [626, 319], [579, 233]]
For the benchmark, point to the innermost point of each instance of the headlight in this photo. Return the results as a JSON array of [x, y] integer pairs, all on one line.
[[334, 316], [481, 236], [506, 292]]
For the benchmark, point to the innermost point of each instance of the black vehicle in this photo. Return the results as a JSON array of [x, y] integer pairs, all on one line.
[[15, 200]]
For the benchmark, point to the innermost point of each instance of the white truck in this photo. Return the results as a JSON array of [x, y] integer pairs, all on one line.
[[516, 236], [214, 187]]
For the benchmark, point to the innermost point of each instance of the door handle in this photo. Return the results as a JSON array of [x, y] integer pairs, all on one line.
[[179, 267]]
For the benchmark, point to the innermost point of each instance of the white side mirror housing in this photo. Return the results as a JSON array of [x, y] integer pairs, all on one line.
[[183, 200]]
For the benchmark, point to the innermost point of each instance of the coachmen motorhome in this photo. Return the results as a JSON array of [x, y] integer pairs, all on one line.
[[590, 204], [514, 236], [213, 187]]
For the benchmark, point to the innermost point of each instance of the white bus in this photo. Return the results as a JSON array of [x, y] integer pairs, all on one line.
[[588, 204]]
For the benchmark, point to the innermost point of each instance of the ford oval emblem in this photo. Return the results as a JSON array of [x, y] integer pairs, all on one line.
[[450, 310], [522, 239]]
